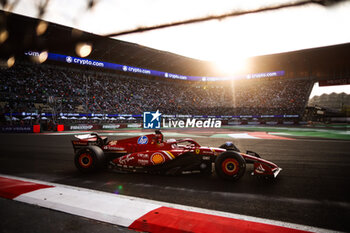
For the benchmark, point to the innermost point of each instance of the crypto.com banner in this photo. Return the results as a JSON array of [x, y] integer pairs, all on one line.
[[131, 69]]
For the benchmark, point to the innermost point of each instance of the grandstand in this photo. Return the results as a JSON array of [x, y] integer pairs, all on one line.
[[28, 87], [149, 79]]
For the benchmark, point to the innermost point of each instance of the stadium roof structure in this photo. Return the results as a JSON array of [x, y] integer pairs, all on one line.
[[327, 60], [62, 39], [22, 37]]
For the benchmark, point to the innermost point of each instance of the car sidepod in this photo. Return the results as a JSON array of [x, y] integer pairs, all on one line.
[[170, 162]]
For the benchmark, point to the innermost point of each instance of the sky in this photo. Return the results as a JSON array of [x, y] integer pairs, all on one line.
[[317, 90], [226, 42]]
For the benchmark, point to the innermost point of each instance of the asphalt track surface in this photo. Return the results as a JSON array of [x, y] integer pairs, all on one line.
[[313, 188]]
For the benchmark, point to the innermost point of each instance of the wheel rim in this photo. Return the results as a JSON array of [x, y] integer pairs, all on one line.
[[230, 166], [85, 160]]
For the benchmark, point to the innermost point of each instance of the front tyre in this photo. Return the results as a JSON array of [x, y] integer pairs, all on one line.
[[90, 159], [230, 165]]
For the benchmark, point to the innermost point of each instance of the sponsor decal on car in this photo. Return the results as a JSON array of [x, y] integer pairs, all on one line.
[[207, 152], [157, 158], [113, 148], [142, 140], [259, 169], [126, 159], [143, 162], [80, 143], [143, 156]]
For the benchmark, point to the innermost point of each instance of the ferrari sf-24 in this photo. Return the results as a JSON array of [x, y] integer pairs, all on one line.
[[152, 154]]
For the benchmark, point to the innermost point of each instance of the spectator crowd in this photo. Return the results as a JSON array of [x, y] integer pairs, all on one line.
[[28, 87]]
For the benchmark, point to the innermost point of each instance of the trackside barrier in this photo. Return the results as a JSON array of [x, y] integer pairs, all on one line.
[[16, 129], [60, 128], [36, 128], [137, 213]]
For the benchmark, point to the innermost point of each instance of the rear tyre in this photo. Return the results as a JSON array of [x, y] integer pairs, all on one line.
[[230, 165], [90, 159]]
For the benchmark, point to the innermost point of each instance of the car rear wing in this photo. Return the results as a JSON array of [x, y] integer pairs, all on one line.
[[86, 136], [91, 139]]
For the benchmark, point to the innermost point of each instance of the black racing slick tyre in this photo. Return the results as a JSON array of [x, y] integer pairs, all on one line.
[[230, 165], [90, 159]]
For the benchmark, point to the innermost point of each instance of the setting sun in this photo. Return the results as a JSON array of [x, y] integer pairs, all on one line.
[[231, 65]]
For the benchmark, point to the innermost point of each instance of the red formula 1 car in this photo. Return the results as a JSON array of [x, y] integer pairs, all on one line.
[[151, 154]]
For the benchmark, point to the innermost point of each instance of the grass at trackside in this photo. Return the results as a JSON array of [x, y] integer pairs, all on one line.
[[342, 134], [298, 131], [288, 131], [347, 126]]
